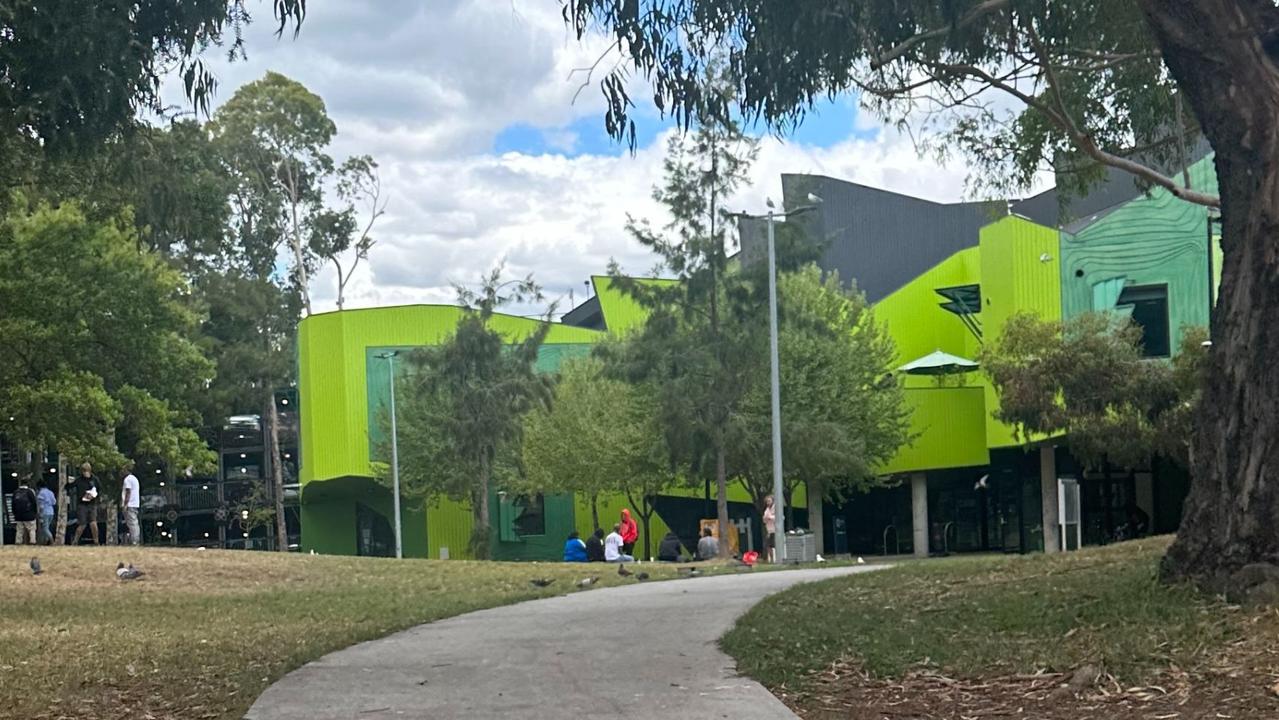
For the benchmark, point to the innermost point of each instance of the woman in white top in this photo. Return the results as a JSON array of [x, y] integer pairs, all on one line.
[[770, 525]]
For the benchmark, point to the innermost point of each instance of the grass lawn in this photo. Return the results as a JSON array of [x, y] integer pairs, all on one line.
[[982, 636], [205, 632]]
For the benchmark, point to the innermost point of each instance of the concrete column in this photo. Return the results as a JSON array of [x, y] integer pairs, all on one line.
[[919, 512], [1048, 495], [815, 525]]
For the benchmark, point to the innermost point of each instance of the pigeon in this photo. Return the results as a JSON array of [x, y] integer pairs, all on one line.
[[689, 572], [587, 582], [35, 566], [127, 573], [541, 582], [821, 559], [860, 561], [981, 483], [642, 576], [621, 570]]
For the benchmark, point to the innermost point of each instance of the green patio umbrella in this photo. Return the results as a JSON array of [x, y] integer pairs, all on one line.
[[938, 363]]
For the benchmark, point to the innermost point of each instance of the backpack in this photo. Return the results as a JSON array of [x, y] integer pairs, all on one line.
[[24, 505]]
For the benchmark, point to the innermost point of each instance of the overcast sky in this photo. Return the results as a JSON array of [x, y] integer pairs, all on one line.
[[468, 107]]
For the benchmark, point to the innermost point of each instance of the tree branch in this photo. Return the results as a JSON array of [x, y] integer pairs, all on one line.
[[1083, 140], [977, 13]]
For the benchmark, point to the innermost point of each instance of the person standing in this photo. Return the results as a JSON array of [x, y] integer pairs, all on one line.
[[770, 526], [630, 532], [48, 504], [25, 512], [613, 547], [86, 488], [131, 501]]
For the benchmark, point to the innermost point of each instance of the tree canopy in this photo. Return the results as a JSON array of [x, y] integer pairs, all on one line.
[[842, 414], [1085, 378], [1018, 85], [100, 357], [461, 405]]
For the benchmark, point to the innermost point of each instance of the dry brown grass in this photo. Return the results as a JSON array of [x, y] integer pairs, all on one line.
[[206, 631]]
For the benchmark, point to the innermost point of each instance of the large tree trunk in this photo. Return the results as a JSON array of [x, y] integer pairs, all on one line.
[[816, 524], [481, 537], [113, 523], [1215, 50], [60, 524], [721, 499], [277, 474], [595, 511]]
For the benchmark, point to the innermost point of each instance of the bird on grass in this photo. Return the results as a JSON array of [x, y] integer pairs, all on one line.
[[127, 573], [35, 566], [621, 570], [860, 561], [587, 582], [642, 576], [541, 582], [689, 572]]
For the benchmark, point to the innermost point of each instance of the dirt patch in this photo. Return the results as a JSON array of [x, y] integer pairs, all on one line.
[[1239, 682]]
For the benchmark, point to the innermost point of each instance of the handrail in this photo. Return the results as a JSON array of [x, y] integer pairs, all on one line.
[[945, 536], [897, 539]]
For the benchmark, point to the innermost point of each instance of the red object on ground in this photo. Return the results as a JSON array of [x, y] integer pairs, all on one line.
[[750, 558]]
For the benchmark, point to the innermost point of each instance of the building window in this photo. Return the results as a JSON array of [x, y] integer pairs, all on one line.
[[530, 516], [1149, 304]]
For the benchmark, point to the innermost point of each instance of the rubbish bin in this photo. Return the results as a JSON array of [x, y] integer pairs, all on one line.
[[841, 536], [801, 547]]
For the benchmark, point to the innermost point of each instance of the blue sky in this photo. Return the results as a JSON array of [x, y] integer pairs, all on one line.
[[831, 122]]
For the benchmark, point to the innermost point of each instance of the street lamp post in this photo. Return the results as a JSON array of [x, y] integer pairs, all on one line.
[[775, 383], [395, 456]]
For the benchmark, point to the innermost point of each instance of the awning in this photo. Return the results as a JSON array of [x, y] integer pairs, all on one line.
[[938, 363]]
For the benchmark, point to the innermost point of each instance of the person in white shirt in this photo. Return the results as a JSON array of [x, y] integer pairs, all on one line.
[[131, 501], [613, 547]]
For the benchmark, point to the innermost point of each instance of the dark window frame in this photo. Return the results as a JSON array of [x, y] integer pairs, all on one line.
[[1137, 295]]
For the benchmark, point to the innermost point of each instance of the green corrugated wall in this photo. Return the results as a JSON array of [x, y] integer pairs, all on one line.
[[1020, 271], [340, 386], [1152, 240]]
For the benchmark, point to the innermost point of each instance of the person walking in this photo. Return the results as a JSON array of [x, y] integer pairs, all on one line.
[[770, 526], [86, 488], [613, 547], [25, 512], [48, 504], [630, 532], [131, 501]]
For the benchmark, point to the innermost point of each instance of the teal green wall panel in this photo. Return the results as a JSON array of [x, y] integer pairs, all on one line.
[[1152, 240]]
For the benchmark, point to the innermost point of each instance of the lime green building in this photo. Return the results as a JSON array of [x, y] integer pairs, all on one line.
[[941, 277]]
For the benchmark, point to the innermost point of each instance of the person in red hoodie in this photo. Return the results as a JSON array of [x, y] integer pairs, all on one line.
[[630, 532]]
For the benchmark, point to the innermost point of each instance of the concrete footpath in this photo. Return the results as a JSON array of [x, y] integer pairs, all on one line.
[[643, 650]]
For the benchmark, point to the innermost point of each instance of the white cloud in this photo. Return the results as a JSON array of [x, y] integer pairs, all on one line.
[[563, 218], [425, 88]]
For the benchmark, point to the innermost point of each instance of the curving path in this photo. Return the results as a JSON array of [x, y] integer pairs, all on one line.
[[636, 651]]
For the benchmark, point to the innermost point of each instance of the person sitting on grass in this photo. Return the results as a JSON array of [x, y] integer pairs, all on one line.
[[574, 548], [669, 549], [613, 547], [595, 547], [708, 546]]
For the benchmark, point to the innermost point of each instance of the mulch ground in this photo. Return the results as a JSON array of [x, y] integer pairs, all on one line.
[[1239, 682]]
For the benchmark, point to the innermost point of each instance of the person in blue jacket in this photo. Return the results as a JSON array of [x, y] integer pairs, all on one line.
[[574, 548]]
